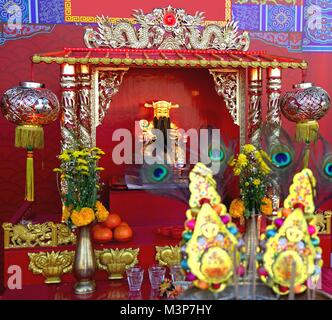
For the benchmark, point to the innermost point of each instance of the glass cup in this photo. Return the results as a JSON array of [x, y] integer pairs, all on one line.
[[135, 278], [156, 275], [176, 273]]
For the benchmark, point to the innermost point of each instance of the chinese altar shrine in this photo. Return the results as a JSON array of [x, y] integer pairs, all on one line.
[[163, 41]]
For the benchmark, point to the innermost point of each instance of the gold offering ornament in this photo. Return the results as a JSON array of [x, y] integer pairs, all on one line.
[[52, 265], [289, 253], [168, 255], [116, 261], [213, 248]]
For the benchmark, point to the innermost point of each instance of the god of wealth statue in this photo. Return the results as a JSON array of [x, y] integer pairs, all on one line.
[[174, 142]]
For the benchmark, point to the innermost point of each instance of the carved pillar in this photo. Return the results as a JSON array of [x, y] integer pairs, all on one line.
[[273, 116], [230, 84], [69, 133], [255, 106], [109, 82], [84, 105], [273, 123]]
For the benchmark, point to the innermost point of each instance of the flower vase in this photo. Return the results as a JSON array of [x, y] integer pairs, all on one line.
[[84, 263], [251, 240]]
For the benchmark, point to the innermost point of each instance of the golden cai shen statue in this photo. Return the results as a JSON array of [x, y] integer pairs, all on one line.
[[174, 141]]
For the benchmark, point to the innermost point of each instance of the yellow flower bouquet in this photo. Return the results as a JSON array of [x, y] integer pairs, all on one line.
[[80, 177], [252, 166]]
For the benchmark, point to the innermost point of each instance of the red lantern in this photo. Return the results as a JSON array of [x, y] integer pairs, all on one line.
[[305, 106], [30, 106]]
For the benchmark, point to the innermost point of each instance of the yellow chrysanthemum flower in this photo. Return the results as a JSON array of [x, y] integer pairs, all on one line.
[[265, 155], [247, 148], [64, 157], [242, 160], [82, 168], [77, 154], [265, 168], [257, 182], [237, 171], [82, 161]]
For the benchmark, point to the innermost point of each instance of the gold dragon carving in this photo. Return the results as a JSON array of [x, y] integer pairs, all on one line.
[[182, 31], [32, 235]]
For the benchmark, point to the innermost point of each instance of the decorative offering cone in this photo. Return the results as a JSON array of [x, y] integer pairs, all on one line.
[[30, 106]]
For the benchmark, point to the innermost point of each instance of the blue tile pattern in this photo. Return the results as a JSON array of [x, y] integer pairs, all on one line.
[[281, 18], [247, 15]]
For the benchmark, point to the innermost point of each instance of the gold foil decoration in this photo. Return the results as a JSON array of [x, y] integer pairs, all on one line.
[[116, 261], [52, 265], [48, 234], [168, 255]]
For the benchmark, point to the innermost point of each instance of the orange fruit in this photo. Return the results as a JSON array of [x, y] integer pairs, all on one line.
[[113, 220], [101, 234], [123, 233]]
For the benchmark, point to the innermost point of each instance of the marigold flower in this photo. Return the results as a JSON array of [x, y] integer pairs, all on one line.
[[83, 217], [256, 182], [101, 212], [66, 212], [266, 206], [236, 209]]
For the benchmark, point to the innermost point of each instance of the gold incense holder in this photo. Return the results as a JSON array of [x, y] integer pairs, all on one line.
[[116, 261]]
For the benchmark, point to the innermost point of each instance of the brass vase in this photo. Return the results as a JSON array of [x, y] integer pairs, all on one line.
[[84, 263], [251, 239]]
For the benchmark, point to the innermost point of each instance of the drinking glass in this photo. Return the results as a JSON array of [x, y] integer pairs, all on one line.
[[176, 274], [135, 278], [156, 275]]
